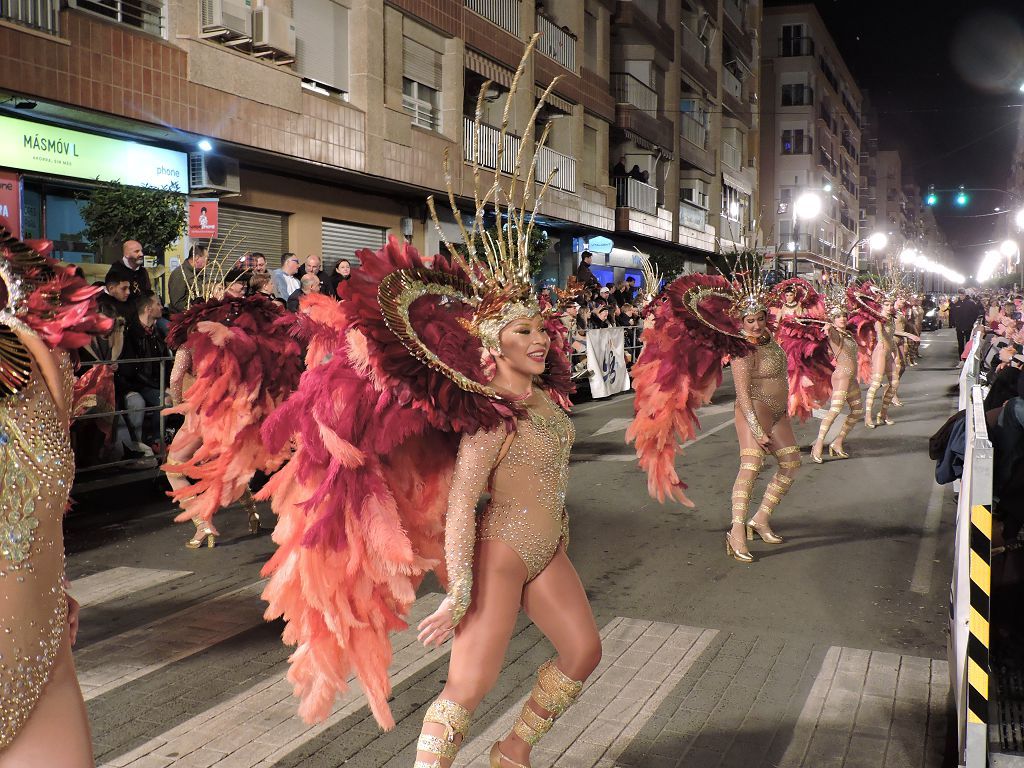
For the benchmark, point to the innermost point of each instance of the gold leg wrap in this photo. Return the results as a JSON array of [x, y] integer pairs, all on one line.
[[890, 393], [455, 718], [554, 692], [751, 461], [869, 405], [834, 409], [778, 486], [856, 414]]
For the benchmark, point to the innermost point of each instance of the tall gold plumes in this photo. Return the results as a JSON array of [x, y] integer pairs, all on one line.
[[208, 283], [652, 278], [748, 281], [499, 265]]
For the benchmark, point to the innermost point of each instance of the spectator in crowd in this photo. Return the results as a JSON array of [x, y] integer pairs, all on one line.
[[313, 265], [964, 315], [992, 311], [261, 282], [604, 295], [619, 171], [307, 285], [599, 318], [342, 274], [636, 173], [236, 283], [114, 299], [259, 264], [183, 279], [143, 383], [629, 317], [630, 289], [621, 294], [286, 281], [131, 268], [583, 274]]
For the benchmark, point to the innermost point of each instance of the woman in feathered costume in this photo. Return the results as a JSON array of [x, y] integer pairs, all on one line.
[[842, 348], [446, 382], [235, 361], [700, 321], [799, 315], [45, 312]]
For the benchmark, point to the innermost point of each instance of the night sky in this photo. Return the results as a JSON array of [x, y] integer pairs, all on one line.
[[944, 77]]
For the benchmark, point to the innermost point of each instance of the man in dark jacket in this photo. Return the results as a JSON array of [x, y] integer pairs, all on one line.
[[583, 274], [131, 268], [141, 383], [967, 311]]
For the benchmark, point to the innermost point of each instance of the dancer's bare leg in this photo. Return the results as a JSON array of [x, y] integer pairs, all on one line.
[[751, 461], [840, 380], [783, 445]]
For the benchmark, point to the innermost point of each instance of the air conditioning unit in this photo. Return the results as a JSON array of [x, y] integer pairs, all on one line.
[[213, 173], [273, 30], [227, 17]]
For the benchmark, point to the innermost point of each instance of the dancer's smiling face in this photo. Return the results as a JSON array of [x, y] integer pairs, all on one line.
[[839, 321], [524, 346], [754, 325]]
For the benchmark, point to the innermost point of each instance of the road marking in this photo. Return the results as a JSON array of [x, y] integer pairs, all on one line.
[[584, 457], [921, 581], [260, 725], [603, 403], [612, 426], [125, 657], [118, 582], [641, 664]]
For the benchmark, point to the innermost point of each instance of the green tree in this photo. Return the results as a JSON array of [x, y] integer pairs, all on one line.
[[538, 246], [116, 212]]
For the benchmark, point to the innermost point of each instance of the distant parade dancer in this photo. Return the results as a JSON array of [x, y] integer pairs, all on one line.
[[45, 313], [235, 361], [700, 320]]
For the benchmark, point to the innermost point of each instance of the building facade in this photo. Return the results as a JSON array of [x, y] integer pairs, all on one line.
[[811, 137], [327, 120]]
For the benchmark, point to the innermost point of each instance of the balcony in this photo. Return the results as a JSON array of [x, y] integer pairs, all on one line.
[[484, 145], [638, 22], [693, 130], [694, 47], [501, 13], [692, 216], [556, 43], [648, 8], [850, 149], [635, 194], [630, 90], [560, 167], [41, 15], [797, 145], [796, 46], [146, 15], [827, 118], [732, 85], [732, 157], [734, 11], [636, 111], [825, 160], [693, 146]]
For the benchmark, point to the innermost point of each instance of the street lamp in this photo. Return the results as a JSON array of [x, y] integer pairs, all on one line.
[[1019, 219], [1008, 248], [878, 241], [808, 207]]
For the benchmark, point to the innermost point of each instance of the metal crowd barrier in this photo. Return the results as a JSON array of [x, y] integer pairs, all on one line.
[[971, 585]]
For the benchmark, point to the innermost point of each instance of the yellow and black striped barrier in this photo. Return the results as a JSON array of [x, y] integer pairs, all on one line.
[[978, 639]]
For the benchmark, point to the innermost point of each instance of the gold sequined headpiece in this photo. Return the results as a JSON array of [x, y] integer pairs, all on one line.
[[572, 291], [652, 280], [835, 298], [749, 287], [495, 263]]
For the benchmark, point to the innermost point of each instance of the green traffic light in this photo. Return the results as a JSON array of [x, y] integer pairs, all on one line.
[[961, 199], [931, 199]]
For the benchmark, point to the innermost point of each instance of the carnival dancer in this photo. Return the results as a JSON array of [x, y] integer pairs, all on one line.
[[235, 360], [45, 311], [842, 349], [701, 320], [915, 324], [446, 381]]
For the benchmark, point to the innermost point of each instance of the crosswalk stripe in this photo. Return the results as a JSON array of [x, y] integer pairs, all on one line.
[[642, 661], [118, 660], [260, 725], [118, 582]]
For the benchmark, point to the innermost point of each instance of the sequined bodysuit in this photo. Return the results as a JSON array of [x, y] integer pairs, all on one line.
[[526, 475], [36, 471], [761, 376], [843, 350]]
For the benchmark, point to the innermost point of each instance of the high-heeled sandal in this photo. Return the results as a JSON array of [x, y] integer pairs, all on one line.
[[732, 551], [816, 459], [203, 531], [768, 536], [885, 420], [840, 454], [249, 505], [497, 757]]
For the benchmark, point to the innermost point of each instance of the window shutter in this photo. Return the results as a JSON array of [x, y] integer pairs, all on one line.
[[240, 230], [341, 240], [321, 42], [422, 64]]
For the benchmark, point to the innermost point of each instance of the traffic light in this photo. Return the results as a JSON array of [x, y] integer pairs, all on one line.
[[931, 198], [961, 198]]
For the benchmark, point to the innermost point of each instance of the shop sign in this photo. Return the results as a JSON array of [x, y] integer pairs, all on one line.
[[600, 244], [202, 218], [30, 146], [10, 202]]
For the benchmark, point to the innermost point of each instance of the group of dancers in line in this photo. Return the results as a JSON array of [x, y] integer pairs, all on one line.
[[382, 420]]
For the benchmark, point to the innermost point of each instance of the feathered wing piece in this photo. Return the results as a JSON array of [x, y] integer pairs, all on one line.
[[864, 304], [361, 504], [246, 362], [802, 336], [678, 371], [652, 282]]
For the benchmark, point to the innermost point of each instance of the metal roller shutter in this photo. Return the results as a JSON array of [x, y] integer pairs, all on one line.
[[341, 240], [422, 64], [240, 230], [321, 40]]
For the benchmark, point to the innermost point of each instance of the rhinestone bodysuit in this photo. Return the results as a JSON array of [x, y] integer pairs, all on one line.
[[527, 475], [36, 471], [761, 376]]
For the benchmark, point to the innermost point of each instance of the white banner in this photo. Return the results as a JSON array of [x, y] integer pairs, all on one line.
[[606, 360]]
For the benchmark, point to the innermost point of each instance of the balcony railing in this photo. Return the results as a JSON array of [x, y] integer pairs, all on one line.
[[694, 131], [502, 13], [827, 118], [556, 43], [692, 216], [631, 193], [731, 156], [694, 47], [850, 149], [485, 146], [796, 46], [147, 15], [825, 159], [43, 15], [735, 12], [562, 166], [797, 145], [731, 84], [629, 90]]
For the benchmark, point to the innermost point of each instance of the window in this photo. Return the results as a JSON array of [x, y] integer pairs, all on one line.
[[734, 203], [421, 84], [590, 41], [591, 157], [420, 101], [694, 191], [795, 142], [797, 95], [321, 45], [695, 121], [794, 41], [146, 15]]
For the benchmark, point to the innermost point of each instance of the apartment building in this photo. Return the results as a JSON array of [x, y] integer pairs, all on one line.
[[324, 122], [811, 132]]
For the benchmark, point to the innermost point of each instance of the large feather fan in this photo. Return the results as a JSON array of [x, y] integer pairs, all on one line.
[[863, 303], [677, 373], [361, 505], [246, 362], [803, 339]]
